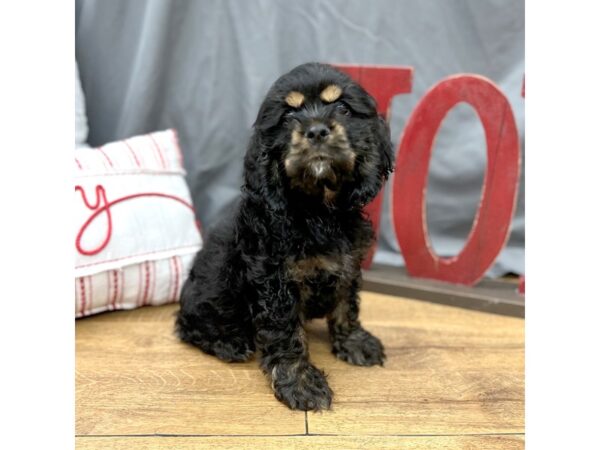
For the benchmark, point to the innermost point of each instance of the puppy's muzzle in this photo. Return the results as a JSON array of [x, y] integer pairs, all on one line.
[[319, 158]]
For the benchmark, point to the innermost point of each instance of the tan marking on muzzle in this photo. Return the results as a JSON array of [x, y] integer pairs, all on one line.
[[297, 137], [294, 99], [331, 93], [298, 144], [329, 195], [338, 135]]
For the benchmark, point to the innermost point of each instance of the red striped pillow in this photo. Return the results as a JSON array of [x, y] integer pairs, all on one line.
[[136, 233]]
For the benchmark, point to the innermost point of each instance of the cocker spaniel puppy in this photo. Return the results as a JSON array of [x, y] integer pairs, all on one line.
[[293, 248]]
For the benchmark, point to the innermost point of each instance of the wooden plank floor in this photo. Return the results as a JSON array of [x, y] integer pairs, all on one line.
[[454, 378]]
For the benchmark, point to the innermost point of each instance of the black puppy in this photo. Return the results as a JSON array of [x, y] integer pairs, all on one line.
[[293, 249]]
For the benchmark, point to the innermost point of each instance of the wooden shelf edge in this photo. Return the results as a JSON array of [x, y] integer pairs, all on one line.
[[489, 295]]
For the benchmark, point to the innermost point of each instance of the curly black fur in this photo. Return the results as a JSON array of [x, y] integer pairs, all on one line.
[[293, 248]]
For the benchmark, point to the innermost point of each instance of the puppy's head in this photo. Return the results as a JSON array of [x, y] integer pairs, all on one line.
[[321, 138]]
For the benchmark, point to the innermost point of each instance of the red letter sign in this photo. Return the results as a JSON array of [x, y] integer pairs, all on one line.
[[382, 83], [498, 198]]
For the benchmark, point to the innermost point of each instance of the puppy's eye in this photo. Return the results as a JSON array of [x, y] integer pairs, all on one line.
[[342, 109], [289, 114]]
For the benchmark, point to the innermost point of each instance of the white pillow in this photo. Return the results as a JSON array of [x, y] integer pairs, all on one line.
[[81, 125], [136, 233]]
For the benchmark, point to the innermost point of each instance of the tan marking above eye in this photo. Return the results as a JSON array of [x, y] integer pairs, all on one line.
[[331, 93], [294, 99]]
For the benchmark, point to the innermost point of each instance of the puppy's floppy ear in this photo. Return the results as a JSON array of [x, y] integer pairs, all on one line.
[[261, 175], [359, 100], [375, 169], [385, 148], [268, 116]]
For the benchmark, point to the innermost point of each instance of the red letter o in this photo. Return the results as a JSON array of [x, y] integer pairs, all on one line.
[[491, 225]]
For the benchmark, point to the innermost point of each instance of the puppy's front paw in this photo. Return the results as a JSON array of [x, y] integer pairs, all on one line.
[[360, 348], [303, 388]]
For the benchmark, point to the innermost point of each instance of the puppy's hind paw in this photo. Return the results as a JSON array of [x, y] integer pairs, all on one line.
[[237, 350], [304, 389]]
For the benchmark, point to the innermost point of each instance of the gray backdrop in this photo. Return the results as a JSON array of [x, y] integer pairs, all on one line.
[[203, 67]]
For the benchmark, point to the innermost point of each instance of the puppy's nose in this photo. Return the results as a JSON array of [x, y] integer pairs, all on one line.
[[317, 132]]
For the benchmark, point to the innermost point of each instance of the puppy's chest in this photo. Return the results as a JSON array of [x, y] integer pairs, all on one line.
[[319, 280], [321, 270]]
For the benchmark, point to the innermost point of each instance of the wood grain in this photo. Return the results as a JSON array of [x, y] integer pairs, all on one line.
[[303, 443], [449, 372]]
